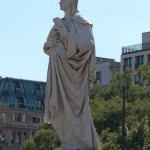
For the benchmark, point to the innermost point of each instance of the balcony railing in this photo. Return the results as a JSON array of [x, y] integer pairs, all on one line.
[[21, 106], [136, 47]]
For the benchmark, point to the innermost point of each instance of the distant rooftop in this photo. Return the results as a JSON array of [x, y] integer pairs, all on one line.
[[22, 94], [11, 78], [138, 47], [135, 48], [101, 60]]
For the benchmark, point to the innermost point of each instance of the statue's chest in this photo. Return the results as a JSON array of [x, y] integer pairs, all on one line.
[[67, 24]]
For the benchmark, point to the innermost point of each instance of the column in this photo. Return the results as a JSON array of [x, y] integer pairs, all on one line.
[[145, 58], [133, 62], [8, 135], [21, 137]]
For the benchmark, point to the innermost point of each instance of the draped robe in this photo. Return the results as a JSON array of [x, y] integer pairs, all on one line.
[[71, 71]]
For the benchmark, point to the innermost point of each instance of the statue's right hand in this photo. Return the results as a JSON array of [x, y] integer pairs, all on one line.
[[49, 44]]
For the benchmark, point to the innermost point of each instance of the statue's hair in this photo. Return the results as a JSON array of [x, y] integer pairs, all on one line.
[[75, 4]]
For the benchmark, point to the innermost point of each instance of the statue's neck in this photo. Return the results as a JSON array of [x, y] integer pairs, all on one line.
[[68, 13]]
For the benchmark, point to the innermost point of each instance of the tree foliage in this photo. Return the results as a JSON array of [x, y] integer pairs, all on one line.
[[44, 138], [107, 109], [144, 73]]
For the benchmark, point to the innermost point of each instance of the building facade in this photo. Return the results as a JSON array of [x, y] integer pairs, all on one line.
[[106, 69], [135, 55], [21, 109]]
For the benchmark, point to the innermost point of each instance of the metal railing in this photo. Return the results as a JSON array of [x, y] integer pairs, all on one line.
[[136, 47]]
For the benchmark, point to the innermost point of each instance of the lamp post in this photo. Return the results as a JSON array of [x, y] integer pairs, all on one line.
[[123, 118]]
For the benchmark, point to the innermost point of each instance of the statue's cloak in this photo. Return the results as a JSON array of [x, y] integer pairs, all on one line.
[[70, 72]]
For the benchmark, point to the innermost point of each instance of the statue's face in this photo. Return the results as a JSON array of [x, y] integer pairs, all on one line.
[[64, 4]]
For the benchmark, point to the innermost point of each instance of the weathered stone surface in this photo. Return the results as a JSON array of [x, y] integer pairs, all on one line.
[[71, 72]]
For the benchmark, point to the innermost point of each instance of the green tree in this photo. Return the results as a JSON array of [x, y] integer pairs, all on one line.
[[29, 144], [44, 138], [121, 79], [110, 140], [96, 92], [106, 108], [144, 73], [138, 137]]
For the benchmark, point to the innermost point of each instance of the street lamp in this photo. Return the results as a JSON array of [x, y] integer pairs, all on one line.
[[123, 118]]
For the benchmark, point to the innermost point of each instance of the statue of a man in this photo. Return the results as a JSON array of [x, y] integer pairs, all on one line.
[[71, 72]]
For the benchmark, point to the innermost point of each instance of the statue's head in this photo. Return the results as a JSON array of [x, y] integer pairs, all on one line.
[[66, 4]]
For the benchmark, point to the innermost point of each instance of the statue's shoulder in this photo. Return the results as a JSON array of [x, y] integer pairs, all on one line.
[[78, 17]]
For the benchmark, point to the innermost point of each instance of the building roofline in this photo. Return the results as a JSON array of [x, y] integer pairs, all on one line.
[[104, 58], [138, 51], [146, 32], [11, 78]]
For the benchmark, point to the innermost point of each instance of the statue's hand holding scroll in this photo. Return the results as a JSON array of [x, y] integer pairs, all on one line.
[[61, 29], [62, 33]]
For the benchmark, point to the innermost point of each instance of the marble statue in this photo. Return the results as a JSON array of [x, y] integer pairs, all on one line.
[[71, 72]]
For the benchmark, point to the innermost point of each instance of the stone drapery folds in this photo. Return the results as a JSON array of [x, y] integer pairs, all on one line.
[[71, 72]]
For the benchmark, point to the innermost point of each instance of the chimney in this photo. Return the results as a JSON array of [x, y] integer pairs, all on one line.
[[145, 40]]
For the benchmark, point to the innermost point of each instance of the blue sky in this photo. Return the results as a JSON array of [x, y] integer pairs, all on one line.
[[24, 26]]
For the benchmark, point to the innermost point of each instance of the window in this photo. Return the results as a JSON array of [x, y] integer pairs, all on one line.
[[17, 88], [4, 101], [148, 58], [136, 79], [98, 77], [18, 137], [128, 62], [20, 102], [20, 117], [139, 61], [24, 135], [36, 120], [39, 104], [37, 90], [37, 86]]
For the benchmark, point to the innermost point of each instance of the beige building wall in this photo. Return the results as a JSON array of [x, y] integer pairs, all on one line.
[[106, 71], [15, 132]]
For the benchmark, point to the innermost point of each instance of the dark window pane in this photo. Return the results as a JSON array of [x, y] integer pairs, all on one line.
[[128, 62], [20, 102]]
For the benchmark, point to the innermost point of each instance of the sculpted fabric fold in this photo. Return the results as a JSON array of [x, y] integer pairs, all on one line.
[[71, 71]]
